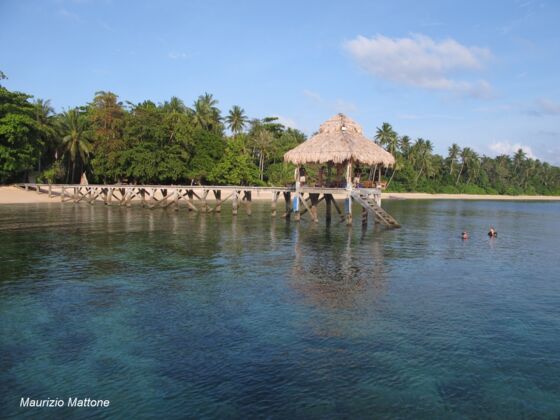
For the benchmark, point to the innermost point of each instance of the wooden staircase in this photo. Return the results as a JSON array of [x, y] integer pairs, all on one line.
[[367, 201]]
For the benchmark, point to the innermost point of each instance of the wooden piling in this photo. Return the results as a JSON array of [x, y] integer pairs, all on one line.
[[235, 203], [348, 208], [288, 204], [296, 204], [248, 200], [204, 201], [190, 195], [275, 195], [328, 210], [314, 201], [62, 194], [176, 199], [218, 197]]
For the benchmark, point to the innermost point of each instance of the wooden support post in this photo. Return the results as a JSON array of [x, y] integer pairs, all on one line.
[[190, 200], [62, 194], [75, 194], [364, 217], [204, 202], [142, 197], [109, 197], [234, 203], [296, 203], [314, 201], [328, 198], [348, 209], [275, 195], [288, 202], [248, 200], [176, 199], [165, 196], [131, 194], [26, 187], [50, 191], [153, 200], [218, 197]]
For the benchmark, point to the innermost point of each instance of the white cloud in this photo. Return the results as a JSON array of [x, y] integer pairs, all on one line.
[[428, 116], [507, 148], [312, 95], [338, 105], [66, 14], [285, 121], [422, 62], [545, 106], [178, 55]]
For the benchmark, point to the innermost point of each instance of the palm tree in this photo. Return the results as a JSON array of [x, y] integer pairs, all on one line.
[[421, 156], [398, 165], [454, 152], [236, 119], [44, 115], [175, 105], [106, 115], [385, 135], [262, 141], [466, 155], [405, 144], [75, 143], [206, 113], [473, 166], [518, 158]]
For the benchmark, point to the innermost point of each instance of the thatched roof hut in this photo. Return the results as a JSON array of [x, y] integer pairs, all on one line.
[[339, 140]]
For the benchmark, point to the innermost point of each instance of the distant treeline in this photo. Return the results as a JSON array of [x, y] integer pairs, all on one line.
[[171, 143]]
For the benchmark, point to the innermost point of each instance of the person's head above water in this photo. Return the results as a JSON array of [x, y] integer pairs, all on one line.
[[464, 235], [492, 232]]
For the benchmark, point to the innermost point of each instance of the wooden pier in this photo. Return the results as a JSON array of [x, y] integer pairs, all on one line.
[[299, 201]]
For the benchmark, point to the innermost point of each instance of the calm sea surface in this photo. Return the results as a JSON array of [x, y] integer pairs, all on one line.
[[182, 315]]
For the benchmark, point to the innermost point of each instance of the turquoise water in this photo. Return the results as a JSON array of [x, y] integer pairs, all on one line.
[[181, 315]]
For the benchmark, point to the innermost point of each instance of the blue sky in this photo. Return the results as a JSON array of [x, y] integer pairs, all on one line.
[[479, 73]]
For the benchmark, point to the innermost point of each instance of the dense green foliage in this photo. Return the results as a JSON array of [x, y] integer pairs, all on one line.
[[171, 143], [463, 170]]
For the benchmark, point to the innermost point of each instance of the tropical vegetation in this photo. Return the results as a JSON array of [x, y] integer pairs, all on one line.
[[173, 143]]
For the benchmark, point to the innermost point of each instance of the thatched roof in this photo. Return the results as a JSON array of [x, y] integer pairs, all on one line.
[[339, 140]]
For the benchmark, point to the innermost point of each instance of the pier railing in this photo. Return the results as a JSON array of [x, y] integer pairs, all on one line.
[[298, 201]]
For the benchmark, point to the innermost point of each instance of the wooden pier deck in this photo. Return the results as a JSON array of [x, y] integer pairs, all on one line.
[[209, 198]]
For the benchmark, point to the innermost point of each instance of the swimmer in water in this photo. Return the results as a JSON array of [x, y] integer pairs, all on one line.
[[465, 235], [492, 232]]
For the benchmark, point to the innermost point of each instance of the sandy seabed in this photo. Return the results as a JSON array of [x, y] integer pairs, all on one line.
[[14, 195]]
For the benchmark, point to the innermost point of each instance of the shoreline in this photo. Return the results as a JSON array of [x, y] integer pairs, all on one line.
[[14, 195]]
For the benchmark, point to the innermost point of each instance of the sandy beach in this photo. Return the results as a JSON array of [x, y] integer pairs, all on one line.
[[14, 195]]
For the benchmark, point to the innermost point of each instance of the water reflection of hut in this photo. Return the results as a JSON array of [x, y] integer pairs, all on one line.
[[339, 276], [341, 148]]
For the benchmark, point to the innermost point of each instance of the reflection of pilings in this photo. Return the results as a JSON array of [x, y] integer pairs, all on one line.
[[275, 195], [302, 201], [328, 198], [344, 275], [235, 203], [248, 199], [288, 202]]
